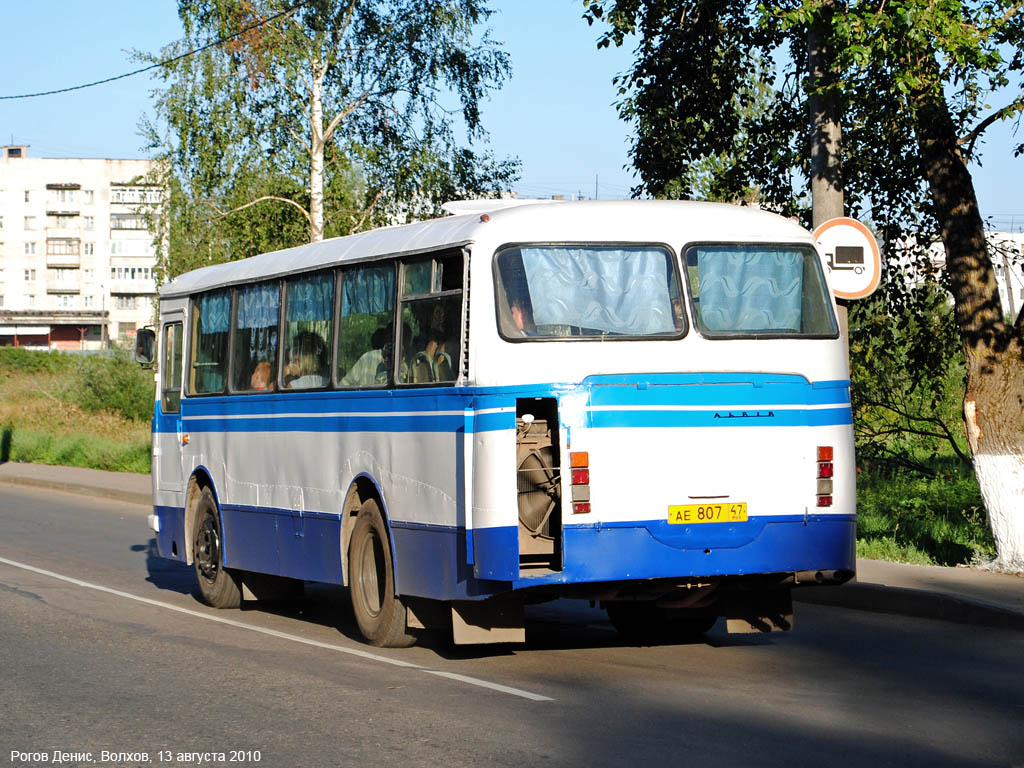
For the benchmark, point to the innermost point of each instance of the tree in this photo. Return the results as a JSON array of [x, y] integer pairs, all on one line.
[[916, 77], [327, 115]]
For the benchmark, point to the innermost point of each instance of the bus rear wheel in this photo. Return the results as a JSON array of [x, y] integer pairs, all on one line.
[[644, 622], [218, 586], [380, 614]]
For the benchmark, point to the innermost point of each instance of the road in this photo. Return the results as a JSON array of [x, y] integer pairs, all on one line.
[[104, 648]]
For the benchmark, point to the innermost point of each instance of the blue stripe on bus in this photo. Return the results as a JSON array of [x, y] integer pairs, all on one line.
[[430, 560], [631, 401], [768, 417]]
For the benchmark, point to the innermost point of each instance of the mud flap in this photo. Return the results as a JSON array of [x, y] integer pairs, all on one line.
[[488, 621]]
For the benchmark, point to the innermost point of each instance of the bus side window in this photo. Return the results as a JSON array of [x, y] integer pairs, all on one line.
[[211, 322], [309, 309], [431, 315], [254, 348], [170, 369], [367, 328]]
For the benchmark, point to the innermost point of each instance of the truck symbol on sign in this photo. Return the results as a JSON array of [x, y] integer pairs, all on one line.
[[847, 257]]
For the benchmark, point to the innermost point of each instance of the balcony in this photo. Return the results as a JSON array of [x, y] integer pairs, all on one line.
[[72, 260], [133, 287], [63, 286]]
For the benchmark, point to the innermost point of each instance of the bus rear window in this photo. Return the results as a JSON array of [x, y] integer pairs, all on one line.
[[759, 290], [588, 291]]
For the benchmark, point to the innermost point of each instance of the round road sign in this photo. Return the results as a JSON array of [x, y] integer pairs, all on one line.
[[851, 257]]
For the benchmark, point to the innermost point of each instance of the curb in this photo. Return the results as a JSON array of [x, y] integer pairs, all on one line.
[[82, 489], [918, 603]]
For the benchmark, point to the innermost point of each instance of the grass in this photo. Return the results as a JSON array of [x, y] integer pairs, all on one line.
[[75, 411], [927, 520]]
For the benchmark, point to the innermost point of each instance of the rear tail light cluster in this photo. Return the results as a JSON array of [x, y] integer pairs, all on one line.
[[825, 472], [579, 462]]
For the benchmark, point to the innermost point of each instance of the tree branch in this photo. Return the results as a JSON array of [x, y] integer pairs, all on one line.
[[972, 138], [342, 114], [302, 210], [373, 204]]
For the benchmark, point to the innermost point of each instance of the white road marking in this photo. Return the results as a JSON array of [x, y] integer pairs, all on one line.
[[283, 635]]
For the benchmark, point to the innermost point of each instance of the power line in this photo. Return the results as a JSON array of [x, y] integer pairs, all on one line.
[[165, 62]]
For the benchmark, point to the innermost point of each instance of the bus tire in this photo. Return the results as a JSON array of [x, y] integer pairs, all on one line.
[[644, 622], [219, 587], [380, 614]]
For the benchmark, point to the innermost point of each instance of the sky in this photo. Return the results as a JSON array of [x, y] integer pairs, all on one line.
[[555, 114]]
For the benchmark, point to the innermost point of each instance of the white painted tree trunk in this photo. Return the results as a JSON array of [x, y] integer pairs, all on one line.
[[316, 156], [1001, 479]]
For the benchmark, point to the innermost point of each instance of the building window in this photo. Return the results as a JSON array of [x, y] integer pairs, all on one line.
[[31, 300], [30, 249], [88, 196], [30, 274], [89, 274], [89, 222], [65, 301], [116, 248], [127, 302], [61, 220], [28, 196], [1, 300], [64, 275], [90, 249], [63, 195], [127, 221], [1, 222], [134, 195], [88, 301], [30, 222], [62, 247]]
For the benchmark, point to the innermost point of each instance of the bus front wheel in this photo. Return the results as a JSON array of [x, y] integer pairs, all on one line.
[[218, 586], [380, 614]]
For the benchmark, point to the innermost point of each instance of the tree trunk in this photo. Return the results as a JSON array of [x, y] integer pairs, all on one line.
[[994, 402], [826, 132], [316, 155], [825, 103]]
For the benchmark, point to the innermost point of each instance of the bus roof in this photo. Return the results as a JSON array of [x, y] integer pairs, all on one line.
[[651, 218]]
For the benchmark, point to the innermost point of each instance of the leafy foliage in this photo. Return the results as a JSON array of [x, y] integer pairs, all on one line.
[[320, 118]]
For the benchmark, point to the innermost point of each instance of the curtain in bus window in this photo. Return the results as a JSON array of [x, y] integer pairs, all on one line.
[[310, 301], [215, 311], [368, 291], [255, 346], [747, 289], [607, 290], [209, 358]]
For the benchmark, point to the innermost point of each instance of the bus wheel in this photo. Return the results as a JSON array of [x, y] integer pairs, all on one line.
[[381, 615], [218, 586], [644, 622]]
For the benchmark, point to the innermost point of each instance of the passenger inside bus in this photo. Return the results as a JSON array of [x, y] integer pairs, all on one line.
[[307, 362], [262, 376]]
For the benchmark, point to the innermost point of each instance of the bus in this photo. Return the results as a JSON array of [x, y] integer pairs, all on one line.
[[641, 403]]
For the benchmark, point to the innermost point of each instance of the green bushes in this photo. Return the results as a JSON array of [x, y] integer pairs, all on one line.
[[114, 383], [75, 410]]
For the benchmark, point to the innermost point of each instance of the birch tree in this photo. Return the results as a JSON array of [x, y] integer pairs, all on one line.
[[339, 114]]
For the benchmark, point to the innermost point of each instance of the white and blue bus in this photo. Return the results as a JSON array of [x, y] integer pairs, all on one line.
[[644, 403]]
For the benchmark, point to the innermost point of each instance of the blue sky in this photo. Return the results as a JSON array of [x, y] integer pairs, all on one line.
[[555, 113]]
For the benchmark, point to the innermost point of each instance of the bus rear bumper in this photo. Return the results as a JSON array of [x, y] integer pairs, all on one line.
[[794, 543]]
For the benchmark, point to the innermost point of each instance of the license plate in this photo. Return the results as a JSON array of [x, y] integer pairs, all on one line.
[[688, 514]]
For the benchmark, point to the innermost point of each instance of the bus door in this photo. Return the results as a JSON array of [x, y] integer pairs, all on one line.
[[167, 436]]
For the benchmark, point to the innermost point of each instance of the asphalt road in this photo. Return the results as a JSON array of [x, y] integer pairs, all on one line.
[[104, 648]]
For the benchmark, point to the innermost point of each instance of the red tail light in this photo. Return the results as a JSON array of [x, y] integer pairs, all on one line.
[[825, 472]]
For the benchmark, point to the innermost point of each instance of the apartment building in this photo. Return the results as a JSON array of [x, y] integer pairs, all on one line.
[[76, 256]]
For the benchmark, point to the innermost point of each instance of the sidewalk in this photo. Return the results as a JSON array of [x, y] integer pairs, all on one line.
[[123, 486], [965, 595]]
